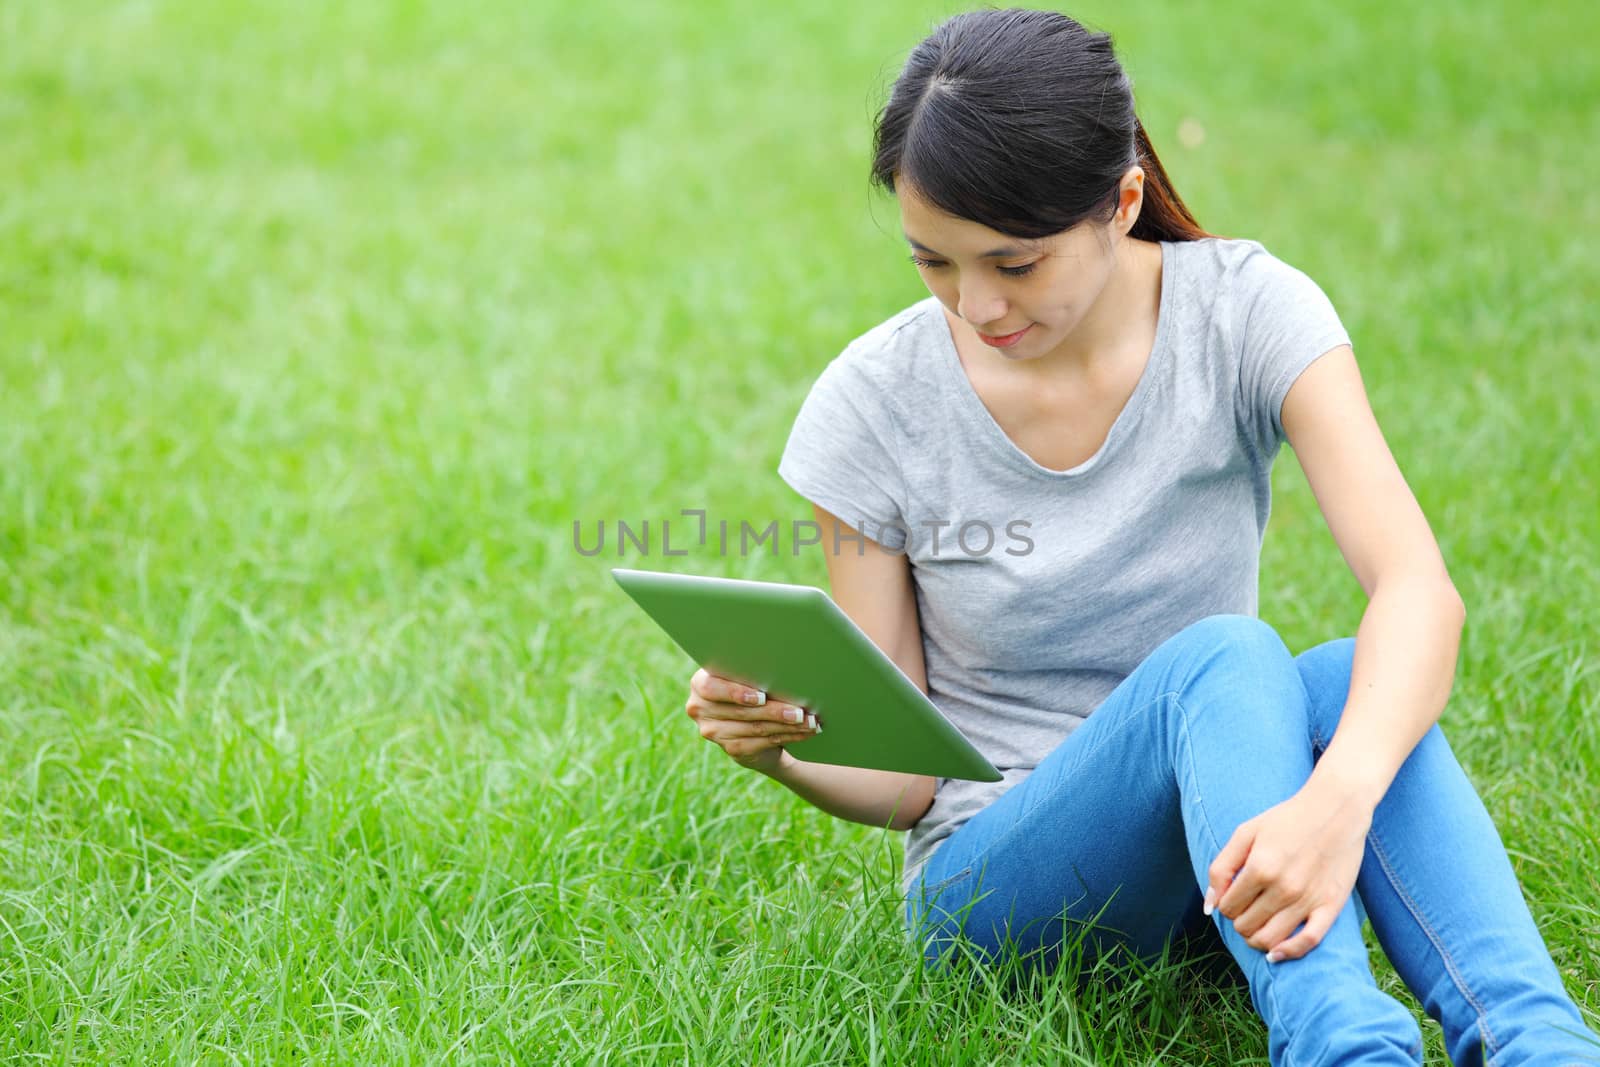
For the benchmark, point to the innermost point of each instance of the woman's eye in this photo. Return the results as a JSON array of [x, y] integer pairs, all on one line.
[[1014, 272]]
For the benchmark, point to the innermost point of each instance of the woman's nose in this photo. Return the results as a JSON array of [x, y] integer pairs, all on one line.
[[980, 307]]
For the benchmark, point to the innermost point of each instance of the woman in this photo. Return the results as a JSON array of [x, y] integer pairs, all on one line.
[[1109, 384]]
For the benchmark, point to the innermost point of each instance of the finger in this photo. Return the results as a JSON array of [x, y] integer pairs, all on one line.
[[714, 687], [1215, 889], [1317, 926], [1276, 927], [1256, 912], [749, 746], [792, 714], [1224, 869], [1242, 894], [731, 730], [774, 711]]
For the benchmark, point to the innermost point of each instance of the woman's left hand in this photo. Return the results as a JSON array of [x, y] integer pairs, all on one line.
[[1294, 863]]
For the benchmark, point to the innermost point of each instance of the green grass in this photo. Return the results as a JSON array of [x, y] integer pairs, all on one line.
[[322, 324]]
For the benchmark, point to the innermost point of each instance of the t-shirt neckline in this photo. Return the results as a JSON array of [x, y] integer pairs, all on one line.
[[950, 360]]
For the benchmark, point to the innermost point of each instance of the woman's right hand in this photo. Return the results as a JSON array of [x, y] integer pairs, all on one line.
[[750, 728]]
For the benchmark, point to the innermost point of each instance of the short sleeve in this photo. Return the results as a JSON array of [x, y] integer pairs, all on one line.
[[842, 453], [1283, 321]]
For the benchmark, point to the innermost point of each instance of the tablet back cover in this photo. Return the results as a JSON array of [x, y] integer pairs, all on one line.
[[796, 644]]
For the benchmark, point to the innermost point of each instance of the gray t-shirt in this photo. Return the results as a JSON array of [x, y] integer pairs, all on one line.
[[1039, 590]]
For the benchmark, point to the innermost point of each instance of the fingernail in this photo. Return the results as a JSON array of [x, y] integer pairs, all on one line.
[[755, 697], [792, 714], [1274, 956], [811, 720], [1211, 903]]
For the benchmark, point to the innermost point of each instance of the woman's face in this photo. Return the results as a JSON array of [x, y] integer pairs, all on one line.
[[1022, 297]]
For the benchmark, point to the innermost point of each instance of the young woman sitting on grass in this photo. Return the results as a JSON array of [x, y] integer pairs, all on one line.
[[1097, 373]]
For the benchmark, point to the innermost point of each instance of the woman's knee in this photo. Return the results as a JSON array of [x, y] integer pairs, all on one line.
[[1241, 662], [1325, 670], [1243, 633], [1328, 662]]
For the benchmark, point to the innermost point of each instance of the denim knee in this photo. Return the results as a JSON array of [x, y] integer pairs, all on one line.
[[1228, 631], [1328, 665], [1325, 670]]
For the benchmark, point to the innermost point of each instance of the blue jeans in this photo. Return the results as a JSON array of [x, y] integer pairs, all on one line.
[[1114, 831]]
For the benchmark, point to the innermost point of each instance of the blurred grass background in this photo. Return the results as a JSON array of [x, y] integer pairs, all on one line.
[[320, 325]]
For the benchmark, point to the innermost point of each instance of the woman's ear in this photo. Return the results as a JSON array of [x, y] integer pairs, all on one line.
[[1130, 198]]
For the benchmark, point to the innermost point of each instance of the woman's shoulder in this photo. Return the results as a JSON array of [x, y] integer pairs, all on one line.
[[1235, 263], [1221, 255], [890, 352]]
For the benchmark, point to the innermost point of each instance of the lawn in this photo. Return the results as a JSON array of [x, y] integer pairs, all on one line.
[[321, 326]]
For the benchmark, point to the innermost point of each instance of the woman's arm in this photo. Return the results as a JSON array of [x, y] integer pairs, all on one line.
[[1405, 658], [878, 798], [1406, 646], [873, 587]]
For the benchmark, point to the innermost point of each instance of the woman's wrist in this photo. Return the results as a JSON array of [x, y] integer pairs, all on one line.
[[781, 770]]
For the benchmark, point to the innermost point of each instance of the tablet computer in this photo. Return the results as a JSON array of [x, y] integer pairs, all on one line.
[[797, 645]]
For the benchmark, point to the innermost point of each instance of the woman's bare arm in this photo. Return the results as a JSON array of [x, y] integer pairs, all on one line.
[[874, 588]]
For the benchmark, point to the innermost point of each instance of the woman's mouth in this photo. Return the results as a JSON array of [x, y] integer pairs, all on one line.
[[1006, 341]]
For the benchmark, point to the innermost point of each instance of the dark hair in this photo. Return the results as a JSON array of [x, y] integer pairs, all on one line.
[[1022, 121]]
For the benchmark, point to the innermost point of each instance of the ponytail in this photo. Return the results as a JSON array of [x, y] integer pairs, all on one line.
[[1163, 215]]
